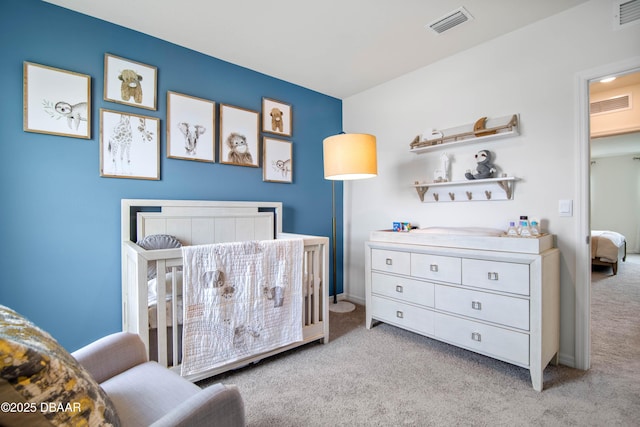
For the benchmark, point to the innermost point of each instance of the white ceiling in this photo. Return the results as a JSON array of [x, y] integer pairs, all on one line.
[[336, 47]]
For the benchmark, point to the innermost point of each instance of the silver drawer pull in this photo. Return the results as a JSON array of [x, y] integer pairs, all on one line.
[[476, 305], [492, 275], [399, 314], [434, 268], [476, 336], [389, 261], [399, 289]]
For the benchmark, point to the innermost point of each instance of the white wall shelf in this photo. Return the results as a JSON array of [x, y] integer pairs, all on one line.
[[464, 191], [502, 127]]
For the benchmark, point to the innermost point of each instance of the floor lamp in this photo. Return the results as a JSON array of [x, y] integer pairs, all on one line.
[[347, 156]]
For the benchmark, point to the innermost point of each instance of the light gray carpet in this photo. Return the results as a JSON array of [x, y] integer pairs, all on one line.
[[389, 377]]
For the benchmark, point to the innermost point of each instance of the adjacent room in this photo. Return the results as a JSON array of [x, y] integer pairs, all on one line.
[[338, 213]]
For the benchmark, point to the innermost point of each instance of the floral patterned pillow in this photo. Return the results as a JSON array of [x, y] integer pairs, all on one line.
[[42, 384]]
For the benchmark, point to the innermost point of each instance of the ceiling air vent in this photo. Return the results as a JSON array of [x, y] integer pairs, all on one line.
[[611, 105], [453, 19], [625, 12]]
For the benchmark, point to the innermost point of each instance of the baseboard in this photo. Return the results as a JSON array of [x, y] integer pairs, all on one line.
[[567, 360], [351, 298]]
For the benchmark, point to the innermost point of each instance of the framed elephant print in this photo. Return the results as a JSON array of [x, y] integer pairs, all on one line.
[[130, 82], [277, 161], [277, 117], [239, 130], [56, 101], [191, 128], [129, 145]]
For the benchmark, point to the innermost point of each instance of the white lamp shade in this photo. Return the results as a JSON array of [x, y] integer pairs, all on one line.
[[350, 156]]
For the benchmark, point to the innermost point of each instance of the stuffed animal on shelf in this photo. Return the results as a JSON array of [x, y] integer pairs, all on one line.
[[484, 168]]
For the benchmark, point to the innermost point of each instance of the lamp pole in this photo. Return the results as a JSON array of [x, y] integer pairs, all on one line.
[[334, 246]]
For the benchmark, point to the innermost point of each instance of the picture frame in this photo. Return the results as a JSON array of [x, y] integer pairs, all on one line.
[[191, 128], [277, 160], [277, 117], [130, 82], [239, 129], [56, 101], [129, 145]]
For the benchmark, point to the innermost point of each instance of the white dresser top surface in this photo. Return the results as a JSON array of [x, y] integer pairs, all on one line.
[[466, 238]]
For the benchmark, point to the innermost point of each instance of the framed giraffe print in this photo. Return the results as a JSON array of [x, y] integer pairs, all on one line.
[[129, 145], [56, 101]]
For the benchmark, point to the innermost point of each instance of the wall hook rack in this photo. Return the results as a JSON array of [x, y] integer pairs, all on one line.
[[491, 189]]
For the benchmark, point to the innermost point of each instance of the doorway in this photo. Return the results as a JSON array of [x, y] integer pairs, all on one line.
[[583, 220]]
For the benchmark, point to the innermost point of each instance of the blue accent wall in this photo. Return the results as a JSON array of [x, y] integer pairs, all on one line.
[[60, 220]]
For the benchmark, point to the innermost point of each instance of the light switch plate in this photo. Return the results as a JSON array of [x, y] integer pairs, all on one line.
[[565, 207]]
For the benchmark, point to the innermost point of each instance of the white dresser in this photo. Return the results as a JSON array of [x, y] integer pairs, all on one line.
[[496, 296]]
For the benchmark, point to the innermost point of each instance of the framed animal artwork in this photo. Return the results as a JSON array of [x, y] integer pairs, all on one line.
[[56, 102], [129, 145], [239, 130], [191, 128], [277, 160], [130, 82], [277, 117]]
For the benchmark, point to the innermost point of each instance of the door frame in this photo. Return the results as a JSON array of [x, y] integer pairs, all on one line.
[[583, 221]]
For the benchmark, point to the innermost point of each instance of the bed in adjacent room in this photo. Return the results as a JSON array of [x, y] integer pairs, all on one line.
[[608, 248]]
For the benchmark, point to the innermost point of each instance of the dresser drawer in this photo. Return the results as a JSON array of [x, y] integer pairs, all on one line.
[[403, 315], [435, 267], [505, 310], [493, 341], [391, 261], [404, 289], [495, 275]]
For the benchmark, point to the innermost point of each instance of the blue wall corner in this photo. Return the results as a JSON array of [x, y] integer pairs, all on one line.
[[61, 219]]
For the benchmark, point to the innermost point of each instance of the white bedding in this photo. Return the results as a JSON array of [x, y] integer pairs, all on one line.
[[240, 299], [605, 245]]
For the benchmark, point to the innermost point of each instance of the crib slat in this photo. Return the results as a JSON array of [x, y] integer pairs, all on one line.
[[175, 328], [161, 310]]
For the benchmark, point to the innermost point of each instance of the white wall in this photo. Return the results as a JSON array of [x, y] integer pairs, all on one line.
[[615, 196], [531, 72]]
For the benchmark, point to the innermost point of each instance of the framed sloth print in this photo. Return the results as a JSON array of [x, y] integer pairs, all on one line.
[[56, 101], [277, 160]]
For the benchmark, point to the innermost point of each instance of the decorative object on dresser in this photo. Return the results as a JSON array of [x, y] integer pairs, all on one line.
[[152, 276], [495, 296], [346, 157]]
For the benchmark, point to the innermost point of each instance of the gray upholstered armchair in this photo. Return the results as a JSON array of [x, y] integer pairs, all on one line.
[[147, 394]]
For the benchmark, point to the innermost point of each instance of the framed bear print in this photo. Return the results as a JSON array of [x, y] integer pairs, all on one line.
[[191, 128], [56, 101], [276, 117], [129, 145], [239, 130], [130, 82]]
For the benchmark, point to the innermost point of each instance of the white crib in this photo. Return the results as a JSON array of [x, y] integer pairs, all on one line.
[[203, 222]]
